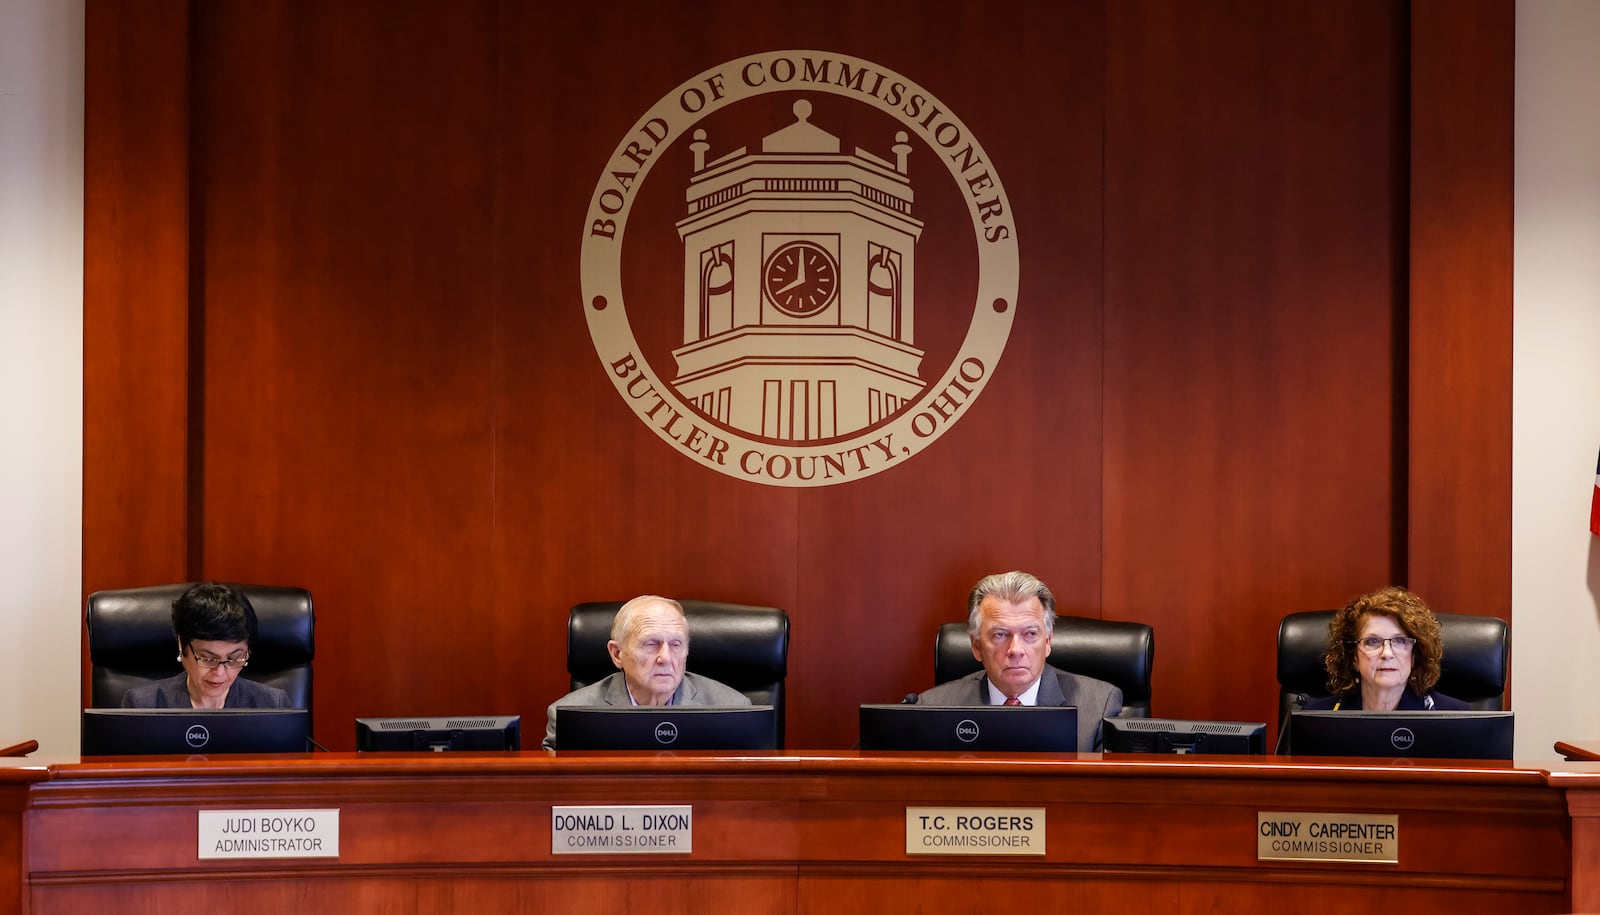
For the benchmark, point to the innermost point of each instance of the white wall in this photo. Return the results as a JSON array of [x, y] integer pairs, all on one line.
[[1555, 561], [41, 370]]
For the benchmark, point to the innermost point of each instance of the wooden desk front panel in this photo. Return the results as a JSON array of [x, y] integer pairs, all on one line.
[[787, 833], [1183, 814], [414, 821], [1163, 836], [13, 853], [417, 834]]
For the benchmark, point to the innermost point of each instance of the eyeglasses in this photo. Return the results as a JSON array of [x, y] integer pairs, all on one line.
[[1373, 645], [210, 663]]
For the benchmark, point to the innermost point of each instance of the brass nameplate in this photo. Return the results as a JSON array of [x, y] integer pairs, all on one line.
[[974, 830], [1368, 838], [622, 829]]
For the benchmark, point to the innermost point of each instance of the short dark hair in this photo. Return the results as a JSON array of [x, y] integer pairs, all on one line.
[[214, 612]]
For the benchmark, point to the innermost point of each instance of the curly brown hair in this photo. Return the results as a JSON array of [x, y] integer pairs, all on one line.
[[1415, 619]]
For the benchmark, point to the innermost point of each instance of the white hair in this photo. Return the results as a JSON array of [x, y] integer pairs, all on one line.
[[1013, 588], [622, 624]]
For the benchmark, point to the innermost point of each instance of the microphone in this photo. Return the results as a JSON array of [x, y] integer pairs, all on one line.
[[909, 699], [315, 744], [1298, 700]]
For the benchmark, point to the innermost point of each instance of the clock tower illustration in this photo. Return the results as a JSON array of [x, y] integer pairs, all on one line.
[[798, 285]]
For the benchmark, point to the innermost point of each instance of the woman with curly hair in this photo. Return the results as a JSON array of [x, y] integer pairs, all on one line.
[[1383, 655]]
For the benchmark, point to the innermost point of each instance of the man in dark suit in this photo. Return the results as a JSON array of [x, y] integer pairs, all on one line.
[[1010, 618], [650, 646]]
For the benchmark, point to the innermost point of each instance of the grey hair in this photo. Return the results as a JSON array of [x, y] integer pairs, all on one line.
[[1013, 588], [622, 623]]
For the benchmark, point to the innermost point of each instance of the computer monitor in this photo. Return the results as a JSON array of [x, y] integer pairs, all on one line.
[[482, 732], [1172, 735], [666, 727], [165, 731], [1420, 734], [976, 728]]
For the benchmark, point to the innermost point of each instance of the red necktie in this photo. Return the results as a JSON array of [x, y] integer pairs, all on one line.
[[1012, 700]]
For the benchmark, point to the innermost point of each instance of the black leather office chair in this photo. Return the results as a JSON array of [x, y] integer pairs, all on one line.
[[1477, 651], [131, 642], [744, 647], [1122, 654]]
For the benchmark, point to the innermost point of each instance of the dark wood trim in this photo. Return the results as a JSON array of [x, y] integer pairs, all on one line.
[[1461, 219]]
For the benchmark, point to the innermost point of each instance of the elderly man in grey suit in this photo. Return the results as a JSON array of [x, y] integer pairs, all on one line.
[[650, 646], [1010, 618]]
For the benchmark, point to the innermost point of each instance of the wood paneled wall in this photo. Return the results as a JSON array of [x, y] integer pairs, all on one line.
[[335, 335]]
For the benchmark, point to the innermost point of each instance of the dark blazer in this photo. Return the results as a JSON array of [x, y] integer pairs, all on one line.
[[1095, 699], [173, 692], [613, 690], [1409, 702]]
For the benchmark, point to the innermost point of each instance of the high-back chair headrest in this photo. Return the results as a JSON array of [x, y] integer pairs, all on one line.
[[131, 642], [743, 646], [1477, 653], [1120, 653]]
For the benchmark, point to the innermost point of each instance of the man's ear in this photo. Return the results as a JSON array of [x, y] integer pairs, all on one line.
[[616, 652], [975, 652]]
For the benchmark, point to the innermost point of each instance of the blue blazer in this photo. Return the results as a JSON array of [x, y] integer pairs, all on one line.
[[1409, 702]]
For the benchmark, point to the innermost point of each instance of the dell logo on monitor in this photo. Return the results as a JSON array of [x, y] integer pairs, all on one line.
[[197, 736], [1402, 738], [666, 732], [966, 730]]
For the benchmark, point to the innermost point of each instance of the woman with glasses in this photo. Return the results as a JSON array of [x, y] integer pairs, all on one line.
[[214, 624], [1383, 655]]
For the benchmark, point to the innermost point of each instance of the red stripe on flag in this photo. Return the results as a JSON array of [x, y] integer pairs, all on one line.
[[1594, 511], [1594, 505]]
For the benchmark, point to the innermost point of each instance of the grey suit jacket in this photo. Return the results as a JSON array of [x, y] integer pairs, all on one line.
[[613, 690], [173, 692], [1095, 699]]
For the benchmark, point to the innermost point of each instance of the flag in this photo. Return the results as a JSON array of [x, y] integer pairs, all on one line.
[[1594, 505]]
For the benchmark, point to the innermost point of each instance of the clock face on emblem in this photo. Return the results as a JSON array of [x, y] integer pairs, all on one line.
[[801, 278]]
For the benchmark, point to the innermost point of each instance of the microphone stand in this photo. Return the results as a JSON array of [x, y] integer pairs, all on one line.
[[1297, 701]]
